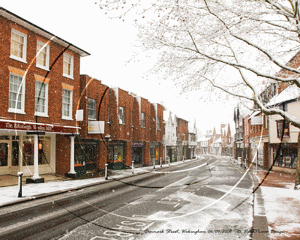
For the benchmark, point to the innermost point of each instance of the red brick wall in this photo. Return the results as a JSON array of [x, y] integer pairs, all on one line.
[[93, 88], [136, 121], [161, 131], [63, 147], [145, 132], [182, 129], [55, 76], [152, 123]]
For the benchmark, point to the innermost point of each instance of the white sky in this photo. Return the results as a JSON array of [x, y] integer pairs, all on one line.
[[111, 45]]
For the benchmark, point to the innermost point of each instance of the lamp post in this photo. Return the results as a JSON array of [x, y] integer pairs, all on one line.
[[107, 139]]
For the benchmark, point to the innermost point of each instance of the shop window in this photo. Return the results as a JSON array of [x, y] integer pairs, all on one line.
[[28, 151], [44, 151], [15, 153], [116, 153], [85, 153], [3, 154], [287, 157], [283, 128]]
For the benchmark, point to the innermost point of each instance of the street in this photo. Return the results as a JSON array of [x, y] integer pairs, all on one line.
[[198, 199]]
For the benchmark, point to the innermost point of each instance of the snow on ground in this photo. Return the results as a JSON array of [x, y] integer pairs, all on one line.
[[282, 207], [29, 191]]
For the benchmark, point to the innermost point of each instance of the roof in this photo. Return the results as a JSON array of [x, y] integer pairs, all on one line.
[[32, 27], [292, 92]]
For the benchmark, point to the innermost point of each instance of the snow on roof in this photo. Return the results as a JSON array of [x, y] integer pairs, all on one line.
[[290, 93], [203, 139], [254, 114]]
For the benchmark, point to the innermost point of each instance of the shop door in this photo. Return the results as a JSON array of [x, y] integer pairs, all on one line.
[[4, 157], [137, 156]]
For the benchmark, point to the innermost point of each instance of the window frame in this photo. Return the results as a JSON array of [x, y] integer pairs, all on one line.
[[47, 48], [283, 126], [71, 66], [24, 48], [45, 113], [16, 110], [69, 117], [94, 109], [143, 120], [122, 115], [158, 123]]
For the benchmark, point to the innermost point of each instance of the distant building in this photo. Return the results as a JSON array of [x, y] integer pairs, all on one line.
[[170, 137]]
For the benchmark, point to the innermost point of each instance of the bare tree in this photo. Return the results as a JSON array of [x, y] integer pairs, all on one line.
[[236, 46]]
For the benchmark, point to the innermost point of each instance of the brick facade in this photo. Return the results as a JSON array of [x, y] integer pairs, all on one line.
[[19, 44]]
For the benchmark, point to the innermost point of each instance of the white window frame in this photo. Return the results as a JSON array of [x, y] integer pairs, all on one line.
[[45, 47], [13, 109], [93, 109], [158, 123], [71, 66], [143, 120], [122, 115], [45, 113], [69, 117], [24, 49]]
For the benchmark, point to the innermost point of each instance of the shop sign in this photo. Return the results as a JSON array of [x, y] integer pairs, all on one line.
[[96, 127], [27, 126], [138, 144]]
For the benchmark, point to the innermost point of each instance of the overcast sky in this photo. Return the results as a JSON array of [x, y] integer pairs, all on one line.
[[111, 44]]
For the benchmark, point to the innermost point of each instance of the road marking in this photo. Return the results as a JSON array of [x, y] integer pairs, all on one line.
[[176, 205]]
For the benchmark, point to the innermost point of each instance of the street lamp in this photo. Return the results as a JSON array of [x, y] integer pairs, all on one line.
[[107, 139]]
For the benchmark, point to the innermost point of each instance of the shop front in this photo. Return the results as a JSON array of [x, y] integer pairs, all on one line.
[[171, 153], [29, 148], [287, 155], [17, 153], [154, 152], [137, 153], [116, 150], [85, 155]]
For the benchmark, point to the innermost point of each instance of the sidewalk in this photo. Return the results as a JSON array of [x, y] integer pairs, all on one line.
[[281, 204], [55, 184]]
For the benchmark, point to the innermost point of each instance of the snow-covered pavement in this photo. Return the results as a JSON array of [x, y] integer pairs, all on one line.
[[282, 205], [9, 194]]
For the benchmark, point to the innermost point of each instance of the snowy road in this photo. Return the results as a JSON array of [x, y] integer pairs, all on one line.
[[196, 203]]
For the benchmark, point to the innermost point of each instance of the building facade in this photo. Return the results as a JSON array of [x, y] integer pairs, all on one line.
[[182, 138], [39, 78]]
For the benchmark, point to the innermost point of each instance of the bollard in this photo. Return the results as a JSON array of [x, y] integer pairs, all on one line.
[[20, 174], [132, 166], [160, 162], [106, 175], [169, 162], [153, 163]]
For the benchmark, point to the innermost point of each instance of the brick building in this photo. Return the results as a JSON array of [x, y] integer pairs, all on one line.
[[117, 127], [39, 78], [182, 138]]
